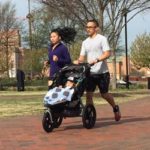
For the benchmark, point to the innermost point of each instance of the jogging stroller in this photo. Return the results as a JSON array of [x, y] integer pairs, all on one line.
[[61, 107]]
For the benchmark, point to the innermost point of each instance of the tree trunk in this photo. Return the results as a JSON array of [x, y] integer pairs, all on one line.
[[114, 86], [7, 59], [101, 20]]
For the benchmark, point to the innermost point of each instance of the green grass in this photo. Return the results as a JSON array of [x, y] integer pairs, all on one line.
[[122, 96], [28, 103], [23, 103]]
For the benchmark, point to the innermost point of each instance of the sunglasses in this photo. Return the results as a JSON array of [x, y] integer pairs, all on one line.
[[90, 27]]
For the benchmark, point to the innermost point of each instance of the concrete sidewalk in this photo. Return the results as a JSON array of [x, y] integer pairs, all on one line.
[[131, 133]]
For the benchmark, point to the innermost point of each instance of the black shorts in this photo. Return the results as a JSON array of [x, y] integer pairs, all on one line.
[[100, 80]]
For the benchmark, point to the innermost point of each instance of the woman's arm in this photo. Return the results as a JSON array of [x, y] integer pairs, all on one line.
[[65, 58]]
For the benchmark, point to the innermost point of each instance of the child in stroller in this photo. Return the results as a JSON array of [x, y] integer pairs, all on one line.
[[64, 98], [60, 94]]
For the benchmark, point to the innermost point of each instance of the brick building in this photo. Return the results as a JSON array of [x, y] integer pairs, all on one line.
[[10, 49], [121, 69]]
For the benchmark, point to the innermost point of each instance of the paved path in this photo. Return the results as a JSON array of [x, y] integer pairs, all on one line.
[[131, 133]]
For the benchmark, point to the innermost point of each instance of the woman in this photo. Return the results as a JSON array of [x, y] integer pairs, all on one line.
[[58, 53]]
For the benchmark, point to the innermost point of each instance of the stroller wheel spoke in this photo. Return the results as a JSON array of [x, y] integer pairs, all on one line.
[[57, 121]]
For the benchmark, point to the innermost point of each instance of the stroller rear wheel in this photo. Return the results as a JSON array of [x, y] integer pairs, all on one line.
[[47, 122], [89, 116]]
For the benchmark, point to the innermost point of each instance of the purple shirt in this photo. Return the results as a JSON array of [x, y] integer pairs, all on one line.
[[63, 55]]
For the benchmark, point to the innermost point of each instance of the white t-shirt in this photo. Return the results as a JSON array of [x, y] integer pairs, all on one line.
[[93, 48]]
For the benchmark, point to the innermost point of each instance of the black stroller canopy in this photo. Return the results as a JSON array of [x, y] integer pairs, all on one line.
[[76, 69]]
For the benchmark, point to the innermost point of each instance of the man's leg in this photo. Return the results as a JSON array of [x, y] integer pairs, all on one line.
[[90, 88], [19, 85], [110, 100], [103, 85], [89, 98]]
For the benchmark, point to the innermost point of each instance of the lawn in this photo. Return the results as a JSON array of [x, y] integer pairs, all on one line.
[[20, 103], [28, 103]]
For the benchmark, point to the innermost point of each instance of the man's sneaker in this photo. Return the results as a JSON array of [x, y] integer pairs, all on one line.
[[117, 113]]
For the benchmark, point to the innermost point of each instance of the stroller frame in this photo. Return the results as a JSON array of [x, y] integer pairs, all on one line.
[[54, 114]]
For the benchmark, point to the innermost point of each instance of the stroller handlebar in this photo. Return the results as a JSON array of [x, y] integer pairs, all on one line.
[[88, 64]]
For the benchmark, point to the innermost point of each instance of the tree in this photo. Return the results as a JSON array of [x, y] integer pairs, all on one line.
[[140, 51], [8, 23], [39, 56], [40, 31], [109, 13]]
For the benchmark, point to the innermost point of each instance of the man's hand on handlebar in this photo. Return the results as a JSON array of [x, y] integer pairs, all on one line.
[[90, 62], [94, 61], [76, 62], [79, 60]]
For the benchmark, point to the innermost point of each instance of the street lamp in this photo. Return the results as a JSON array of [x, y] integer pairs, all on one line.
[[125, 11], [30, 18]]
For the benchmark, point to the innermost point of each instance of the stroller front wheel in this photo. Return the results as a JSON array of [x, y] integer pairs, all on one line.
[[47, 122], [89, 116]]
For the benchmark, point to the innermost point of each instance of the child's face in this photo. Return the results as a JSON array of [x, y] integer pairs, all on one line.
[[69, 84]]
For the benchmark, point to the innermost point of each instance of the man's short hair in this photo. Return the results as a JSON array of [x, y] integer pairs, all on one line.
[[94, 21]]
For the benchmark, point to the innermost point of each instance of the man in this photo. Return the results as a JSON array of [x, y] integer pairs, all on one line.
[[20, 80], [97, 50]]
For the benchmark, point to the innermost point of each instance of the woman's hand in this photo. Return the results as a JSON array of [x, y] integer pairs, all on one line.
[[55, 58], [46, 63]]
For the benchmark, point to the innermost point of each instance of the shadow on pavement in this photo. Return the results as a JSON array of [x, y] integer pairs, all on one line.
[[104, 122]]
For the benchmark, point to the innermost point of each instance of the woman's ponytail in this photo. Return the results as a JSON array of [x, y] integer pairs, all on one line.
[[67, 34]]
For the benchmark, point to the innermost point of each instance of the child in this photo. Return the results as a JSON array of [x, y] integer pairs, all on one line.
[[70, 82]]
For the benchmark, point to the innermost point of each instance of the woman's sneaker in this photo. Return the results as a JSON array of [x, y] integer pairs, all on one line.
[[117, 113]]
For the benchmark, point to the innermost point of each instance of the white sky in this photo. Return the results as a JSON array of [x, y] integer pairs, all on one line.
[[139, 25]]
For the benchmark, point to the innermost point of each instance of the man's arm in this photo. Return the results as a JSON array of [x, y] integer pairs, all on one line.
[[104, 56]]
